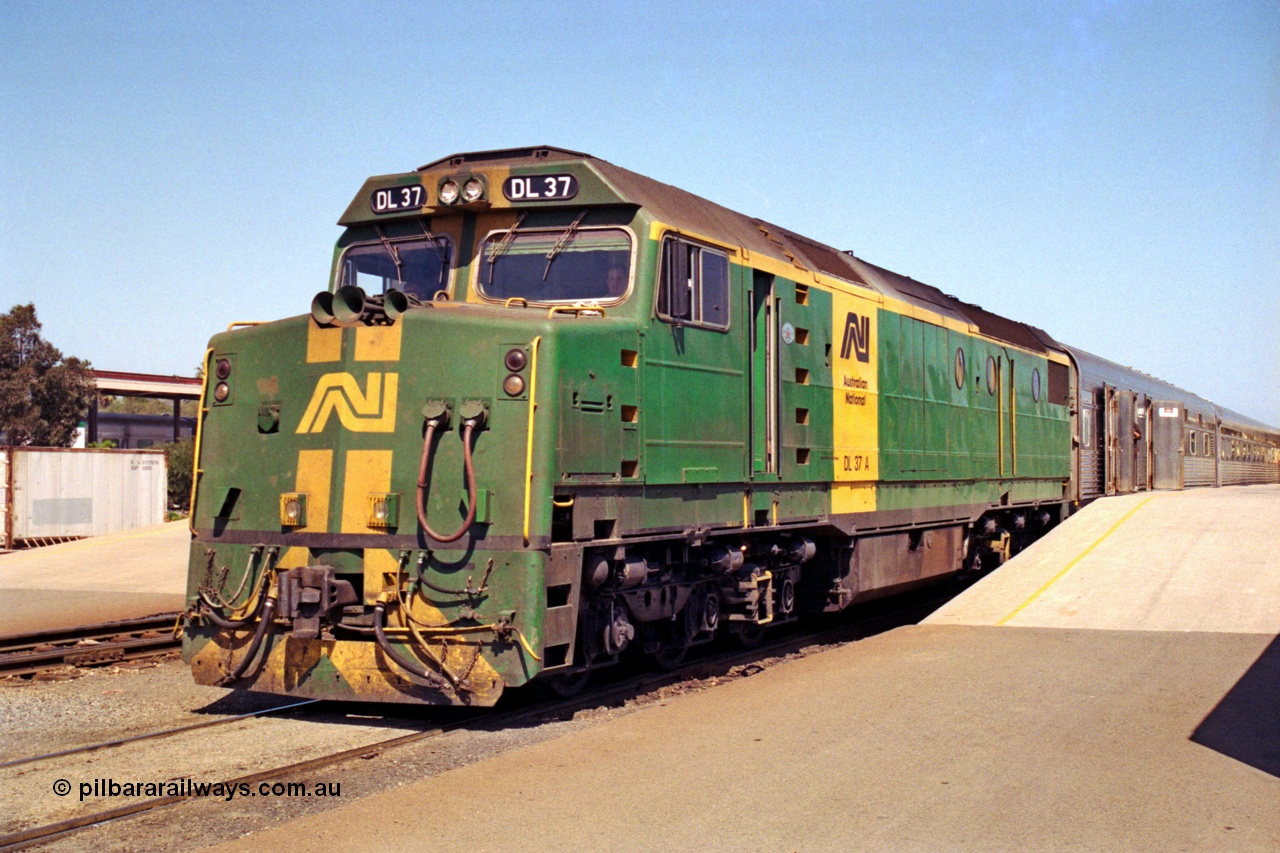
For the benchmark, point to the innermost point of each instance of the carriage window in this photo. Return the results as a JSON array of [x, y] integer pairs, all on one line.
[[419, 267], [695, 284], [1191, 443], [960, 371], [1035, 385], [1086, 427], [556, 265]]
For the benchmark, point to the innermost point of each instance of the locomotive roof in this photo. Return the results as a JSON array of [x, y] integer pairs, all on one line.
[[689, 212]]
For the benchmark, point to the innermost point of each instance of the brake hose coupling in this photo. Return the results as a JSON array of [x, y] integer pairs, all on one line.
[[436, 414], [473, 414]]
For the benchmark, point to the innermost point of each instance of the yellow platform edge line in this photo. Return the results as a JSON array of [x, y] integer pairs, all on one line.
[[1024, 605]]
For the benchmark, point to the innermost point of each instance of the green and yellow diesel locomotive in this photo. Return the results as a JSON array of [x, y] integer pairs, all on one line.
[[549, 410]]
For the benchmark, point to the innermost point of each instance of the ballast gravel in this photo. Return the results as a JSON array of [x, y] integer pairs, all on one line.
[[38, 717]]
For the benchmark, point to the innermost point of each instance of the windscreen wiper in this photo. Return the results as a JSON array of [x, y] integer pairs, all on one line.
[[564, 241], [394, 253], [438, 245], [502, 245]]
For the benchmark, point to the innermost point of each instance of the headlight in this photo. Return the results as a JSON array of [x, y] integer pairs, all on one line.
[[472, 190], [449, 192], [384, 509], [293, 509], [513, 385], [221, 392], [223, 368]]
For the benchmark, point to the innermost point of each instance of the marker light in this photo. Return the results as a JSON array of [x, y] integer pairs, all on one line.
[[293, 509], [513, 385], [383, 509], [472, 190], [223, 368], [515, 360], [449, 192]]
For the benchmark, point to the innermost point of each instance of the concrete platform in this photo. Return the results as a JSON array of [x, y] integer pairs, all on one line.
[[928, 738], [102, 579], [972, 732], [1198, 560]]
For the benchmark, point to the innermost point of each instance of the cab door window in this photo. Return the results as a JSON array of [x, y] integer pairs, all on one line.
[[694, 285]]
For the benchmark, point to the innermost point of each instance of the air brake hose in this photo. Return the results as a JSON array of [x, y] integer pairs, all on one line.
[[379, 617], [469, 426], [211, 614], [268, 611]]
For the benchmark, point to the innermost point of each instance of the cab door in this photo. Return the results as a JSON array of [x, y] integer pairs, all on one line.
[[765, 426]]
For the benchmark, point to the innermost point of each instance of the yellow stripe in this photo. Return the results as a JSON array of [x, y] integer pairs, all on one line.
[[380, 570], [378, 343], [294, 558], [195, 454], [1071, 565], [528, 454], [367, 471], [827, 282], [323, 344], [315, 470]]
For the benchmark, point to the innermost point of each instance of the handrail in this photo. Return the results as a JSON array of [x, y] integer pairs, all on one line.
[[528, 454], [195, 454], [576, 310], [245, 323]]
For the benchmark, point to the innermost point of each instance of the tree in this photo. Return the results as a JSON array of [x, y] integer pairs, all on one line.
[[43, 395], [179, 456]]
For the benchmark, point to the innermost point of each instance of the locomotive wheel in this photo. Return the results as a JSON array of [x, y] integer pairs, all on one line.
[[670, 657], [749, 635], [568, 685]]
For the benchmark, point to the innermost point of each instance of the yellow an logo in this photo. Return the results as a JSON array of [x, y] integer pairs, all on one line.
[[373, 410]]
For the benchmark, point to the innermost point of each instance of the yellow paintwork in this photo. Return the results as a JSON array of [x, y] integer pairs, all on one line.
[[795, 271], [294, 558], [381, 567], [360, 664], [371, 410], [378, 343], [366, 471], [315, 472], [528, 453], [855, 405], [323, 344]]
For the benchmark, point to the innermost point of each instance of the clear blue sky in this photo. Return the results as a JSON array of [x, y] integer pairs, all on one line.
[[1107, 171]]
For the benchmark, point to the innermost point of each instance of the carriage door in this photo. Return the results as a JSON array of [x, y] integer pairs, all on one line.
[[1142, 450], [764, 376], [1110, 424], [1127, 444], [1167, 442]]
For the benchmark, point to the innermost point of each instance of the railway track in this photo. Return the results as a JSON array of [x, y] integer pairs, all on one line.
[[876, 619], [88, 645]]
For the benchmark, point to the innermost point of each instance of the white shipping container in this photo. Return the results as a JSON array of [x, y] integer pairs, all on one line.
[[56, 492]]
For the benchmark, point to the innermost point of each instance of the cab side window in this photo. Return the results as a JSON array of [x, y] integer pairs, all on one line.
[[694, 286]]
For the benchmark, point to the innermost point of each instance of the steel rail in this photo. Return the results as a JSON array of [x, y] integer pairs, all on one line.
[[94, 747], [112, 642]]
